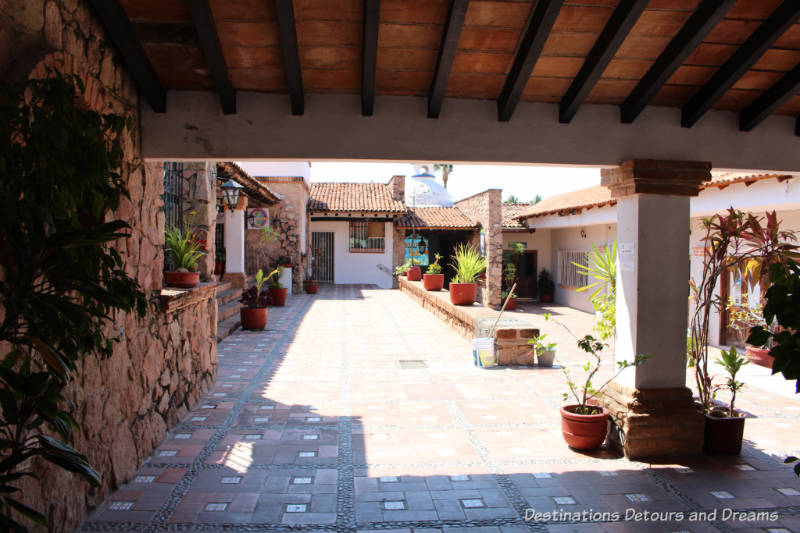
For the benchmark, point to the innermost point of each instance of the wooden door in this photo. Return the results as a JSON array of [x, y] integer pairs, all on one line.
[[526, 264]]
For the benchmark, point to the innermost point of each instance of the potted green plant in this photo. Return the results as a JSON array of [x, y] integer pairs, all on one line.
[[511, 305], [310, 285], [468, 264], [402, 270], [219, 261], [510, 279], [414, 272], [602, 267], [433, 279], [724, 425], [277, 291], [742, 318], [253, 314], [284, 261], [185, 252], [545, 286], [545, 351]]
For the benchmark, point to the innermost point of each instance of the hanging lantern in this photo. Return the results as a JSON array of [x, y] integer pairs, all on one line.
[[422, 246], [231, 190]]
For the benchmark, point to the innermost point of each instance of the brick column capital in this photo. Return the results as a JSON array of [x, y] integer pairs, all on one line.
[[653, 176]]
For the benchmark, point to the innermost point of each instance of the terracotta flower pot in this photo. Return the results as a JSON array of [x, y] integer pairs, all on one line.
[[724, 434], [546, 358], [253, 317], [311, 286], [760, 356], [433, 282], [463, 293], [219, 268], [414, 274], [583, 432], [278, 296], [546, 298], [512, 304], [184, 280]]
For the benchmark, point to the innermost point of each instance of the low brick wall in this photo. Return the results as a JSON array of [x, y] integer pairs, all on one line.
[[470, 321]]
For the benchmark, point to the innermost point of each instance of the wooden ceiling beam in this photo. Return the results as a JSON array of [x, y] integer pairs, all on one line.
[[291, 56], [699, 25], [770, 100], [447, 54], [369, 63], [120, 31], [539, 25], [203, 21], [619, 25], [741, 61]]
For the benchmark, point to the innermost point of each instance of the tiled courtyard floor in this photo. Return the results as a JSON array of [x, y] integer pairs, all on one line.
[[358, 410]]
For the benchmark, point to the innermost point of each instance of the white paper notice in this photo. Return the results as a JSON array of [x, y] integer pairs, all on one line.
[[627, 256]]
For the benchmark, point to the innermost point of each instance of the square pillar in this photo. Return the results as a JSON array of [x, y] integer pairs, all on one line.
[[652, 409], [234, 244]]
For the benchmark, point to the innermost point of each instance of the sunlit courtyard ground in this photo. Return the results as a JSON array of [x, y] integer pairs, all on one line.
[[358, 410]]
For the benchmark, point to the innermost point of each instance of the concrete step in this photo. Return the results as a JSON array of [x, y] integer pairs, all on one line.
[[228, 295], [228, 310], [223, 286], [227, 327]]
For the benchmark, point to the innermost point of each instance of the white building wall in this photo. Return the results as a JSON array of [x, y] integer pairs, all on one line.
[[358, 268]]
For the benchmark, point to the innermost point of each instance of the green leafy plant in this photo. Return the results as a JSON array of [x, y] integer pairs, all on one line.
[[504, 294], [435, 267], [733, 241], [545, 285], [540, 345], [468, 264], [602, 267], [268, 234], [63, 281], [402, 269], [743, 317], [219, 255], [254, 296], [732, 362], [183, 248]]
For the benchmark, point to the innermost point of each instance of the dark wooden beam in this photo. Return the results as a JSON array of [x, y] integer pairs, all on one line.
[[740, 62], [797, 126], [699, 25], [622, 20], [539, 25], [447, 53], [209, 41], [770, 100], [120, 31], [291, 55], [372, 13]]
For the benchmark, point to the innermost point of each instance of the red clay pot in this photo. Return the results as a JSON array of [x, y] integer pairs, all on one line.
[[414, 274], [583, 432], [219, 268], [723, 434], [511, 305], [253, 317], [184, 280], [433, 282], [278, 296], [546, 298], [760, 356], [463, 293], [311, 286]]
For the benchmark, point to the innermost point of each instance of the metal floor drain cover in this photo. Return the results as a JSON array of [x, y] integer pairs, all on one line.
[[412, 363]]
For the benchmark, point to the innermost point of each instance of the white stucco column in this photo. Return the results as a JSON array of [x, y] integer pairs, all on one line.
[[234, 241], [652, 410]]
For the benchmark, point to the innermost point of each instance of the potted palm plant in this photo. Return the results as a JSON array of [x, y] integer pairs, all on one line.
[[725, 426], [545, 286], [219, 262], [433, 279], [277, 291], [254, 312], [545, 351], [185, 252], [468, 264]]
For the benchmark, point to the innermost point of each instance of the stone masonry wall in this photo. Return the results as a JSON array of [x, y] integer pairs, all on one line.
[[286, 217], [200, 211], [486, 209], [163, 362]]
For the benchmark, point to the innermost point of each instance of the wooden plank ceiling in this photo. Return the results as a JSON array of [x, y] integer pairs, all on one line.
[[736, 57]]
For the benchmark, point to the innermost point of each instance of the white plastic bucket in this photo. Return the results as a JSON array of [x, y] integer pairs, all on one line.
[[483, 351]]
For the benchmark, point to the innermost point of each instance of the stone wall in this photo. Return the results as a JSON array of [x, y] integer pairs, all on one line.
[[200, 211], [485, 209], [289, 218], [164, 361]]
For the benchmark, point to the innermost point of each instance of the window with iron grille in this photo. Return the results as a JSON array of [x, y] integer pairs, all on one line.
[[569, 275], [173, 202], [366, 236]]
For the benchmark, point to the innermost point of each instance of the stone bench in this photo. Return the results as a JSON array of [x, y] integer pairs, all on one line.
[[470, 321]]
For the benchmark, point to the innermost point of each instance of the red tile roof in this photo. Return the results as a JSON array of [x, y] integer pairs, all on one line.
[[511, 212], [353, 197], [435, 218], [253, 188]]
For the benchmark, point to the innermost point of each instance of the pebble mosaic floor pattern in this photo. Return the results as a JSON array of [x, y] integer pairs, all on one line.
[[356, 410]]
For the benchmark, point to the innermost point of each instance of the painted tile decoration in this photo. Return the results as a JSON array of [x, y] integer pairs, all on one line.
[[252, 436], [722, 494], [542, 475], [394, 505], [216, 506], [789, 492], [261, 419], [609, 473], [745, 468], [120, 506], [183, 436], [637, 497], [307, 454], [459, 477], [266, 407], [199, 419], [231, 480], [143, 479], [388, 479], [564, 500], [296, 507], [168, 453], [302, 481], [472, 503], [310, 437], [208, 406]]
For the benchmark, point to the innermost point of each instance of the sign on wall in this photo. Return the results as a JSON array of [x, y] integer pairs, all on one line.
[[257, 218]]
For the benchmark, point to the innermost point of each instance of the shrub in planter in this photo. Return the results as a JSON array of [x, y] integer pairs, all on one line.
[[310, 285], [545, 351], [402, 270], [433, 279], [219, 262], [468, 264], [725, 427], [277, 291], [185, 252], [511, 305], [254, 312], [545, 286]]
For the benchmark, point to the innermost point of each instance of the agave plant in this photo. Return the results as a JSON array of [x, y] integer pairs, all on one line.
[[183, 248], [435, 267], [468, 264], [603, 268]]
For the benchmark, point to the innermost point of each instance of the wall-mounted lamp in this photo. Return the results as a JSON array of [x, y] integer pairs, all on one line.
[[583, 233], [231, 190]]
